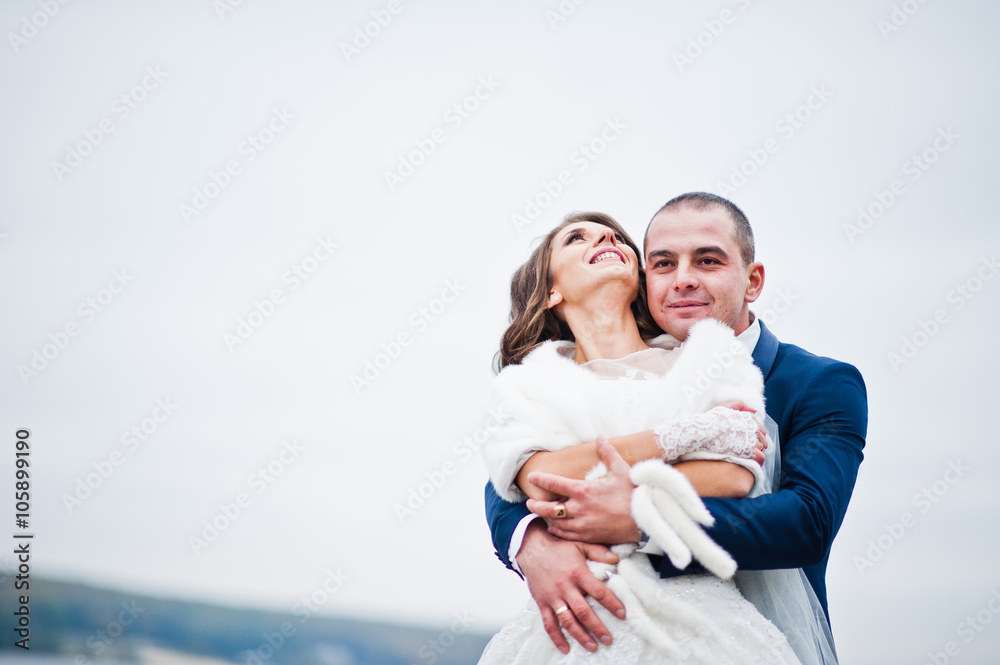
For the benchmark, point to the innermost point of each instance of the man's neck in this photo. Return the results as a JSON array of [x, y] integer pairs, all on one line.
[[746, 318], [751, 335]]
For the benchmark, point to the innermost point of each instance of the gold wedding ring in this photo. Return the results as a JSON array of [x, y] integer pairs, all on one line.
[[560, 513]]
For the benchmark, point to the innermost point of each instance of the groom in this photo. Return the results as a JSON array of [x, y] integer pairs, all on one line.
[[700, 263]]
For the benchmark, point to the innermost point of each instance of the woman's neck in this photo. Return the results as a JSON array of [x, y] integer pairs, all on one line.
[[603, 331]]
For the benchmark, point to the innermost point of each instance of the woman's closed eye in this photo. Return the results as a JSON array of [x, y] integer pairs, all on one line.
[[578, 234]]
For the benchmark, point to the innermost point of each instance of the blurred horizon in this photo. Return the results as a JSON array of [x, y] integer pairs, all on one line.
[[72, 621]]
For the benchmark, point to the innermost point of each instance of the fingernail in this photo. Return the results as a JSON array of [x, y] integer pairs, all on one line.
[[620, 614], [605, 640], [590, 646]]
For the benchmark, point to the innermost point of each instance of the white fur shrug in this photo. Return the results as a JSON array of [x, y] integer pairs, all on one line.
[[549, 402]]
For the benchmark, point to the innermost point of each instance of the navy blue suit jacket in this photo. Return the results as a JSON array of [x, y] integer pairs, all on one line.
[[821, 408]]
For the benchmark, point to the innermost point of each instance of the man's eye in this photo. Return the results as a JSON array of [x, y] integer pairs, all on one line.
[[710, 261]]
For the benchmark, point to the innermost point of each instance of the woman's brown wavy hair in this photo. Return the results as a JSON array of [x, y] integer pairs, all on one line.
[[532, 322]]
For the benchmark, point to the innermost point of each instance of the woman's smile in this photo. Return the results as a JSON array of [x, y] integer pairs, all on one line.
[[608, 254]]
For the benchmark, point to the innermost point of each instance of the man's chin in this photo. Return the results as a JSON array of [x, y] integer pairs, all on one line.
[[678, 323]]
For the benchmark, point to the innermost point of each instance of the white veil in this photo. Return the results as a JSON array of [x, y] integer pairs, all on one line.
[[785, 595]]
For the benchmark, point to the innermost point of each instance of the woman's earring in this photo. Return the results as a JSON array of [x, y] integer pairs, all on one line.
[[554, 299]]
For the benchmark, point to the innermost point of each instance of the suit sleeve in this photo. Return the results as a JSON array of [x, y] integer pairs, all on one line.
[[795, 526], [503, 517]]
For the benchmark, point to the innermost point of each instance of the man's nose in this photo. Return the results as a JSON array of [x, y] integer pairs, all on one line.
[[685, 277]]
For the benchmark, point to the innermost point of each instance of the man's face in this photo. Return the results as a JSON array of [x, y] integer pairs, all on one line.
[[694, 271]]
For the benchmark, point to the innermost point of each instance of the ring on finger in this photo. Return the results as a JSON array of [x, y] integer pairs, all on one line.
[[560, 511], [564, 608]]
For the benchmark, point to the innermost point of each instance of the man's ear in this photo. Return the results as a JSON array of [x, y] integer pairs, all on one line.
[[554, 299], [755, 281]]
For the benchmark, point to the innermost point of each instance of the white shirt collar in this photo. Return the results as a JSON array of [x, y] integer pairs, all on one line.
[[751, 335]]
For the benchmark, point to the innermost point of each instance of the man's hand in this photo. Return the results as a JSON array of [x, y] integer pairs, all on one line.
[[597, 511], [758, 451], [557, 575]]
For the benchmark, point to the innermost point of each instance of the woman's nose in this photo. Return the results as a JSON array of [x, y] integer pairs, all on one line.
[[609, 235]]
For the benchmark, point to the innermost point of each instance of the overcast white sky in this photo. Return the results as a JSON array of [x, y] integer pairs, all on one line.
[[117, 114]]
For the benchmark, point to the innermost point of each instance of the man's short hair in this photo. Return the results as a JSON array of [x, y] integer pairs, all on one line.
[[702, 201]]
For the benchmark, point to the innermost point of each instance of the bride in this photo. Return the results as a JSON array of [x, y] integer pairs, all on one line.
[[575, 367]]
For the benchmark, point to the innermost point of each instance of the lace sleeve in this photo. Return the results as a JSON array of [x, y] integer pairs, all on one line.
[[721, 430]]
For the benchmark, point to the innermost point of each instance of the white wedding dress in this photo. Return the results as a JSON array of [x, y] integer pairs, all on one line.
[[550, 403], [714, 625]]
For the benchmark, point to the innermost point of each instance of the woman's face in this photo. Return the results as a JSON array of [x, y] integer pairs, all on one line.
[[585, 255]]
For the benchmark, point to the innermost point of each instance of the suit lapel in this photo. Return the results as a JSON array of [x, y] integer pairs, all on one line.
[[766, 351]]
